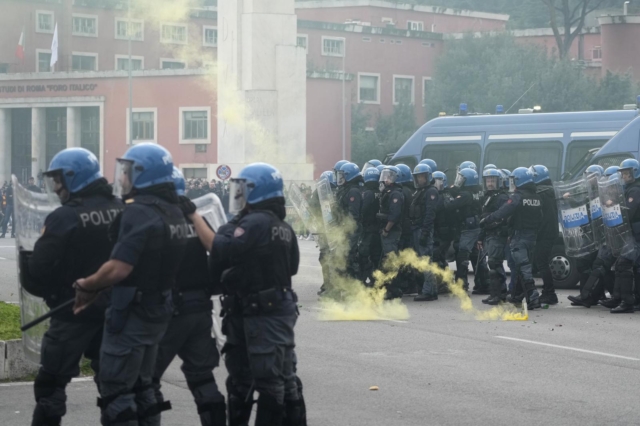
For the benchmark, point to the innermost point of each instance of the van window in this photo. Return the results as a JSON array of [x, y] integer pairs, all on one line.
[[612, 160], [448, 157], [578, 149], [409, 161], [510, 155]]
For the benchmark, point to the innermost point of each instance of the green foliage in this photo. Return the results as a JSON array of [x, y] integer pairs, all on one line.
[[85, 368], [9, 321], [489, 71]]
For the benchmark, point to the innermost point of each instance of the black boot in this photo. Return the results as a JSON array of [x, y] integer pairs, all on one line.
[[610, 303], [39, 418], [579, 301], [495, 289], [269, 413], [295, 413], [425, 298], [549, 299], [624, 284], [533, 298], [623, 308], [213, 414], [239, 410]]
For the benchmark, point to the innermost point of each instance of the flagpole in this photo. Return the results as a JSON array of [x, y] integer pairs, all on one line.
[[130, 77]]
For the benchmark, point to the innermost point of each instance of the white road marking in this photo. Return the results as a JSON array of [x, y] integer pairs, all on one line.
[[569, 348], [3, 258], [379, 318]]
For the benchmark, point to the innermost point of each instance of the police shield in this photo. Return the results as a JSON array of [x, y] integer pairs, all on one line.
[[30, 211], [614, 216], [572, 199], [210, 208], [327, 205], [301, 206], [595, 209]]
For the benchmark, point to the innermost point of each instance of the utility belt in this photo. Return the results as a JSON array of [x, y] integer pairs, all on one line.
[[260, 303], [124, 299], [191, 301], [382, 217]]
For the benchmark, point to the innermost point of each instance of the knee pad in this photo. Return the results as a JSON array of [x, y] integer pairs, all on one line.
[[624, 266]]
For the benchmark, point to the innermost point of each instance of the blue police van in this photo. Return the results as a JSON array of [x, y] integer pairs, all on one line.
[[565, 142]]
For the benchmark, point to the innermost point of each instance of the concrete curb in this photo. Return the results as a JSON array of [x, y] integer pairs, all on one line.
[[13, 364]]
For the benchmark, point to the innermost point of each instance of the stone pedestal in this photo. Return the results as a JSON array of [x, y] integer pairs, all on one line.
[[5, 144], [38, 140], [261, 87]]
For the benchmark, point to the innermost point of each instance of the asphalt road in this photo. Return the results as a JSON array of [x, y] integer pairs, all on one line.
[[565, 366]]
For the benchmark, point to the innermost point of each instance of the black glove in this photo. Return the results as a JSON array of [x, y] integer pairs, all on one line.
[[186, 205]]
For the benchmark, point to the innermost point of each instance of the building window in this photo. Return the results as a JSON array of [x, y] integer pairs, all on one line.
[[170, 64], [403, 92], [333, 46], [122, 63], [174, 33], [90, 129], [136, 26], [415, 25], [44, 21], [195, 173], [369, 88], [210, 36], [195, 125], [85, 25], [144, 127], [84, 62], [596, 53], [302, 40], [201, 148], [44, 60], [427, 89]]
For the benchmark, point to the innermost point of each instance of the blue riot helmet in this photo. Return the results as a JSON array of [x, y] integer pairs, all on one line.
[[328, 175], [432, 164], [612, 170], [178, 181], [405, 173], [467, 165], [506, 173], [439, 180], [421, 176], [380, 167], [347, 173], [629, 171], [70, 171], [256, 183], [594, 169], [519, 177], [489, 166], [142, 166], [371, 163], [466, 177], [337, 167], [388, 176], [540, 174], [372, 174], [492, 179]]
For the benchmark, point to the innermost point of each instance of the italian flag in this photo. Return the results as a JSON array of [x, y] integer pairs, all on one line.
[[20, 48]]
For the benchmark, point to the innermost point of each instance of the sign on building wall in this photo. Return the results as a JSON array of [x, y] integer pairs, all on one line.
[[223, 172]]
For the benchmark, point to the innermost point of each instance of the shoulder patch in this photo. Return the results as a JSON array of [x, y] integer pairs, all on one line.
[[352, 199], [630, 199], [509, 201], [459, 196], [395, 200], [239, 232], [129, 201], [433, 197]]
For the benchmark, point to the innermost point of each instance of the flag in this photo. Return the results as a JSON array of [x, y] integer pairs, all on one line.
[[54, 47], [20, 48]]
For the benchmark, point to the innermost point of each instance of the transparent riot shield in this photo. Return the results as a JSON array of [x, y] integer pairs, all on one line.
[[210, 208], [327, 205], [301, 206], [615, 216], [595, 209], [29, 212], [572, 199]]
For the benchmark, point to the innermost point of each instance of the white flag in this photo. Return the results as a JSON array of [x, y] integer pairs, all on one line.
[[54, 47]]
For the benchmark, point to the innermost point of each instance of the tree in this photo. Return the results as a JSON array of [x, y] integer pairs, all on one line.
[[573, 14]]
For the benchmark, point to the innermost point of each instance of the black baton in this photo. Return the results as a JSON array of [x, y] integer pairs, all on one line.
[[48, 315]]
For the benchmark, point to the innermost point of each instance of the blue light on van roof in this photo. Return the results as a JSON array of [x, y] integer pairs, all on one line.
[[463, 107], [499, 109]]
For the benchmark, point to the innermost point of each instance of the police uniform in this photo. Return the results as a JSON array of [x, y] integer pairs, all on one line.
[[494, 239], [255, 256], [524, 212], [152, 239], [74, 244], [406, 238], [391, 206], [547, 235], [189, 334], [369, 249], [422, 213], [444, 232], [599, 277], [349, 199]]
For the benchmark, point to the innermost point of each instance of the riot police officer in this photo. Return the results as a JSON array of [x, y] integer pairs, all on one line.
[[445, 224], [390, 217], [349, 200], [524, 211], [369, 164], [623, 299], [337, 168], [254, 258], [189, 333], [489, 167], [432, 164], [547, 234], [467, 165], [506, 174], [74, 244], [467, 207], [370, 247], [423, 214], [406, 183], [152, 235], [494, 238], [323, 243]]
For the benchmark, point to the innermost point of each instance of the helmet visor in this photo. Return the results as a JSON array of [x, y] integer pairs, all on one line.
[[367, 165], [388, 177], [340, 178], [421, 180], [627, 175], [439, 184], [123, 183], [460, 180], [512, 184], [238, 194], [54, 185], [491, 183]]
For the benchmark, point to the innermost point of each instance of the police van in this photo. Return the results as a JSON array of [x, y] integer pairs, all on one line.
[[563, 141]]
